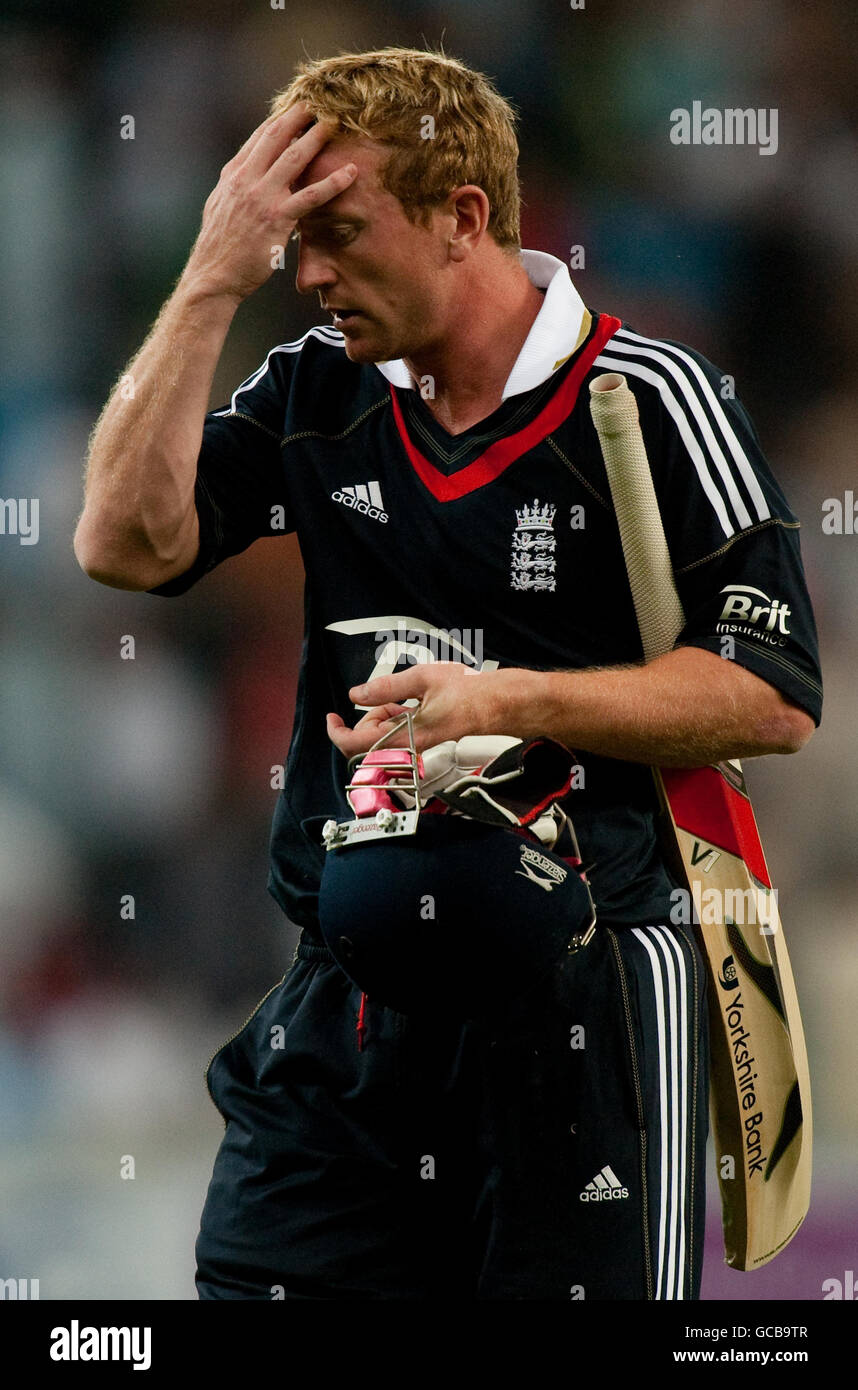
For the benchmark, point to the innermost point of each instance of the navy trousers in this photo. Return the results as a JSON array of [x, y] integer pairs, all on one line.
[[558, 1153]]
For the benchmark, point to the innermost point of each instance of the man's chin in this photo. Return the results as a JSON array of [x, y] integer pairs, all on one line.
[[364, 348]]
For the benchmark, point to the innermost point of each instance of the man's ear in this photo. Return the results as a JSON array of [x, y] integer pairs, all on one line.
[[469, 209]]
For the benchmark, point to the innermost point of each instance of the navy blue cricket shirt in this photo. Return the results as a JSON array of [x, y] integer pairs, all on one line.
[[499, 546]]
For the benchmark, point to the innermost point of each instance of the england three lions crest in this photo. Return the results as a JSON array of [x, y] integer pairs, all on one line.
[[532, 564]]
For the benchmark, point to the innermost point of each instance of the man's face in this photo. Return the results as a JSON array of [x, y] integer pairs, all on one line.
[[361, 253]]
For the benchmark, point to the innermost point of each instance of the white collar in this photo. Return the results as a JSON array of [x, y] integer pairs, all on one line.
[[553, 335]]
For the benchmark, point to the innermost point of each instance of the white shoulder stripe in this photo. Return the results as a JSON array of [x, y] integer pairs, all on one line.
[[740, 458], [632, 368], [321, 332], [699, 415]]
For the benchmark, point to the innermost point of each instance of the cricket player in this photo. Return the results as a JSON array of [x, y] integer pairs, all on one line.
[[432, 448]]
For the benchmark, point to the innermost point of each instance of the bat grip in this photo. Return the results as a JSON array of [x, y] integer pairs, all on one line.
[[614, 408]]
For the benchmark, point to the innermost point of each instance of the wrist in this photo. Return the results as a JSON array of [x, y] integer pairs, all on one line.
[[198, 291], [534, 703]]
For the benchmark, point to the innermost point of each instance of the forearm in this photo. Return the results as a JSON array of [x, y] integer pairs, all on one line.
[[139, 524], [686, 709]]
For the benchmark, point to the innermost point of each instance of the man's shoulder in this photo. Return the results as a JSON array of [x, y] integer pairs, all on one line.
[[315, 341], [308, 384], [667, 375], [650, 357]]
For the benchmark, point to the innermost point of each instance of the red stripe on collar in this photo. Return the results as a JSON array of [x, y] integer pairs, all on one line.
[[498, 456]]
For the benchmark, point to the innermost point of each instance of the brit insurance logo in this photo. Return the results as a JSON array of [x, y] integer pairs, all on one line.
[[364, 498], [752, 613], [532, 565]]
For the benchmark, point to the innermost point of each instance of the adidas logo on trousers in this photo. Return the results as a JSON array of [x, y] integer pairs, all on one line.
[[605, 1187]]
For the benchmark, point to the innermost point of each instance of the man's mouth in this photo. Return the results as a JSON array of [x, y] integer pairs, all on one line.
[[344, 316]]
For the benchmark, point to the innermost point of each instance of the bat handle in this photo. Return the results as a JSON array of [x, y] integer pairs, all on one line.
[[609, 381]]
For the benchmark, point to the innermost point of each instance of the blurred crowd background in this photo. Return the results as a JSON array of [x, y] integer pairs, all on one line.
[[151, 777]]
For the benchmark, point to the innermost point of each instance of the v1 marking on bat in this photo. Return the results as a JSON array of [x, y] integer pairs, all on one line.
[[707, 859]]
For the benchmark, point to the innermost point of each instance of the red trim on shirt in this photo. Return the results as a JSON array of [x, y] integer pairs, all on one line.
[[498, 456]]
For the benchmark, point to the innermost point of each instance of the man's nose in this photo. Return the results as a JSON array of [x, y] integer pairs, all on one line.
[[314, 270]]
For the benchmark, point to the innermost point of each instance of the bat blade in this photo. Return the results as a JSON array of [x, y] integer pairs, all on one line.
[[760, 1083]]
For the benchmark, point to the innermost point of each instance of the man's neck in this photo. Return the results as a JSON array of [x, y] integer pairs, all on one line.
[[470, 366]]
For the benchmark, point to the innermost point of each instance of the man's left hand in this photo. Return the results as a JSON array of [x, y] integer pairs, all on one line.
[[455, 701]]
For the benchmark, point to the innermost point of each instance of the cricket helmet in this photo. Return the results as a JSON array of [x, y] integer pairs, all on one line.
[[432, 910]]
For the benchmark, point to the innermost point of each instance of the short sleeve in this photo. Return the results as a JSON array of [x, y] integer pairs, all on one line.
[[733, 539], [240, 490]]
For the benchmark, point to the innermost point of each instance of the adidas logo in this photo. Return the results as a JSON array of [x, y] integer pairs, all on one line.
[[364, 498], [605, 1187]]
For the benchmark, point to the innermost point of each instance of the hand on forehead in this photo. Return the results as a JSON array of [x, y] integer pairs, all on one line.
[[341, 148]]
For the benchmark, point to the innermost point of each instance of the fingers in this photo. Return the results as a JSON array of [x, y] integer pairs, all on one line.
[[274, 131], [350, 741], [283, 157], [276, 155], [406, 685], [306, 199], [295, 133], [288, 144], [381, 713], [366, 732]]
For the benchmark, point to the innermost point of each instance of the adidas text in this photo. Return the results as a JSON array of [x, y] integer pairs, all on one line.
[[364, 498], [605, 1187]]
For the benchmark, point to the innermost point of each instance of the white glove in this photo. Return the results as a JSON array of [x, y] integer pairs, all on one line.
[[498, 779], [446, 764]]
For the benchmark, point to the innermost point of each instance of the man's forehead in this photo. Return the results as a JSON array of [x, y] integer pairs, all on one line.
[[368, 155]]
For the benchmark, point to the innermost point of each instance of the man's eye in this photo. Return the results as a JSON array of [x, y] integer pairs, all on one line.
[[336, 236]]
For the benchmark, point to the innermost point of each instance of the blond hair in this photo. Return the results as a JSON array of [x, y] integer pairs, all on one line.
[[447, 125]]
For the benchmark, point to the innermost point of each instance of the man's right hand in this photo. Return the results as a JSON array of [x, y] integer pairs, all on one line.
[[253, 209]]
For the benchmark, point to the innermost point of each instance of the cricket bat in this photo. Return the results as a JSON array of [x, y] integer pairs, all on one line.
[[759, 1079]]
